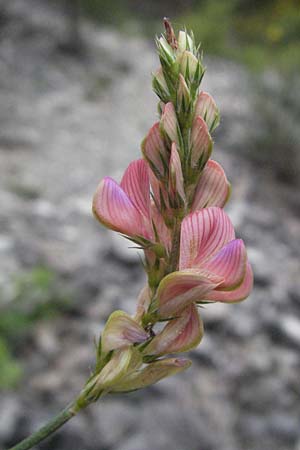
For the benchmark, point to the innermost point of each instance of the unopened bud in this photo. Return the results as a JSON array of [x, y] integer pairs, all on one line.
[[152, 373], [160, 86], [206, 108], [155, 152], [185, 42], [176, 182], [201, 144], [120, 331], [169, 124], [183, 96]]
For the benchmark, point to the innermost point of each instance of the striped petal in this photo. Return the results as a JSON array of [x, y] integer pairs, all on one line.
[[163, 232], [201, 143], [120, 331], [203, 234], [169, 125], [151, 373], [115, 210], [229, 263], [213, 188], [155, 152], [176, 182], [179, 289], [135, 183], [207, 109], [179, 335], [235, 295]]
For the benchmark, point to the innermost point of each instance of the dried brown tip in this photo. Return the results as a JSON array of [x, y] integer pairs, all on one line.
[[170, 35]]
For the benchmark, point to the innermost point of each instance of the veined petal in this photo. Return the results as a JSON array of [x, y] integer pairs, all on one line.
[[230, 263], [164, 233], [115, 210], [213, 188], [169, 124], [143, 303], [152, 373], [160, 195], [203, 234], [155, 152], [179, 335], [207, 109], [176, 182], [135, 183], [179, 289], [234, 295], [201, 143], [120, 331]]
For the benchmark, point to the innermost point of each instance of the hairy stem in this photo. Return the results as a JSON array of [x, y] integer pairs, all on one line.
[[54, 424]]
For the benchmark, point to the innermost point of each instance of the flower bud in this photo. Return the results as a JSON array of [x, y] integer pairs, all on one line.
[[152, 373], [191, 68], [179, 335], [160, 86], [120, 331], [207, 109], [201, 144], [185, 42], [155, 152], [169, 124], [176, 182]]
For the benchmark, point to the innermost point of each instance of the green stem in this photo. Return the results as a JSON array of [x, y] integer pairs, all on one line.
[[54, 424]]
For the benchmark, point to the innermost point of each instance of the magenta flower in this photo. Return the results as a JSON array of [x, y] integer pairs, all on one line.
[[126, 207], [213, 265]]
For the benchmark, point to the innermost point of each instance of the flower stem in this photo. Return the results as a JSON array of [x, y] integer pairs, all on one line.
[[54, 424]]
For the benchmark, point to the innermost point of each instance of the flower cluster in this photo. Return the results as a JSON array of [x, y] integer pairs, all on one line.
[[170, 204]]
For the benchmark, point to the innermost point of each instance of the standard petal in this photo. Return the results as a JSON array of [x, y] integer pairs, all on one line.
[[230, 263], [155, 152], [179, 289], [213, 188], [135, 183], [201, 143], [207, 109], [176, 182], [120, 331], [115, 210], [179, 335], [203, 234], [236, 295]]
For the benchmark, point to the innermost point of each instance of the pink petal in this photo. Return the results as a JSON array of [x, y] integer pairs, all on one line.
[[235, 295], [154, 150], [164, 233], [169, 124], [159, 192], [176, 182], [179, 335], [230, 263], [207, 109], [115, 210], [179, 289], [120, 331], [203, 234], [213, 188], [201, 143], [135, 183]]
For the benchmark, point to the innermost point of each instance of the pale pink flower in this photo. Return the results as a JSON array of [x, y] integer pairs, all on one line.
[[126, 207], [206, 108], [213, 265]]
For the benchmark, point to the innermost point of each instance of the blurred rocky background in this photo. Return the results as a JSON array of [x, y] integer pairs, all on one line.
[[75, 102]]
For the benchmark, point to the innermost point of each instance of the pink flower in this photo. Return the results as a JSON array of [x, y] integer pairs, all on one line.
[[213, 265], [126, 207]]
